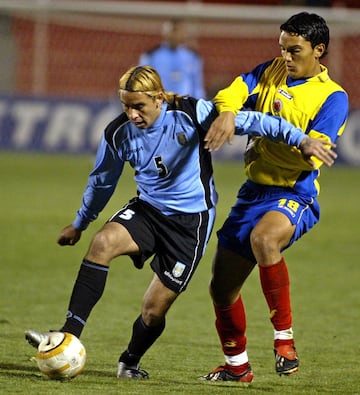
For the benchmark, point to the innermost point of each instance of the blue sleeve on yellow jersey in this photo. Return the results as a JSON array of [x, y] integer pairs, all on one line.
[[328, 121], [251, 79]]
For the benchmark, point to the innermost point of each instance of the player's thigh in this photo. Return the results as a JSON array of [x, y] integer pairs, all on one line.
[[156, 302], [274, 230], [112, 240]]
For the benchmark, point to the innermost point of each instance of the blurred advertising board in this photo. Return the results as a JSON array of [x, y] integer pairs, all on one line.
[[75, 126]]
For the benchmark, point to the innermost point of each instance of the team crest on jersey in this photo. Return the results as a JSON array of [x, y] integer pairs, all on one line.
[[277, 105], [182, 139], [178, 269]]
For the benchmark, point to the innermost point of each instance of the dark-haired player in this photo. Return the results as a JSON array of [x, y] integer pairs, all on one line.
[[278, 202]]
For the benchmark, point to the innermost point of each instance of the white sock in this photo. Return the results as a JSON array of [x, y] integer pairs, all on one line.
[[237, 360], [286, 334]]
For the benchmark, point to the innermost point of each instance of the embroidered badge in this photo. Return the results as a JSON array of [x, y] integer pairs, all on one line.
[[277, 105], [178, 269], [181, 137]]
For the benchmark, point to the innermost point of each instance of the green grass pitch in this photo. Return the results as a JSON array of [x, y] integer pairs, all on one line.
[[39, 196]]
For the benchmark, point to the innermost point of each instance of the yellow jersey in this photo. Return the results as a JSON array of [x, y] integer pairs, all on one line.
[[317, 105]]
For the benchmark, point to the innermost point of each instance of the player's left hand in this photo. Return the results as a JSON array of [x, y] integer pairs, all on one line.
[[320, 149]]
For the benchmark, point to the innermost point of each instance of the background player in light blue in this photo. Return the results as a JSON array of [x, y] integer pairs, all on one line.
[[161, 136], [180, 67]]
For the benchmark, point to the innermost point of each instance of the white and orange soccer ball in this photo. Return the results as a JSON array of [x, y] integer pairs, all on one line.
[[61, 356]]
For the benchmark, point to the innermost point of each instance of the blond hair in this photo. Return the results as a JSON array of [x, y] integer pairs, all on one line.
[[145, 79]]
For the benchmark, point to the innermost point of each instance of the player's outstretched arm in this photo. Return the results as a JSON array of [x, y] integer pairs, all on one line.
[[319, 149], [69, 236]]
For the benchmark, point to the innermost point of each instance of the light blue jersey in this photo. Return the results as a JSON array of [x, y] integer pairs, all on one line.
[[180, 69], [173, 170]]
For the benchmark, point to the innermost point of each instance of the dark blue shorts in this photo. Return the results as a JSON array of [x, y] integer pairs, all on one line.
[[253, 202], [176, 242]]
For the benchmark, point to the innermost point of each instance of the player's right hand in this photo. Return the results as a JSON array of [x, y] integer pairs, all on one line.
[[221, 130], [69, 236]]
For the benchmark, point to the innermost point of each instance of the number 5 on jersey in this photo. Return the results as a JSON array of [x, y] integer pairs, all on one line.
[[162, 169]]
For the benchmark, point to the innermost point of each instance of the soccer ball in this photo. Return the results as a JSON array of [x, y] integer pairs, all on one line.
[[61, 356]]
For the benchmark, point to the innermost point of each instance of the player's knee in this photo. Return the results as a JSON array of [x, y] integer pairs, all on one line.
[[262, 242], [101, 240], [152, 318], [102, 243]]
